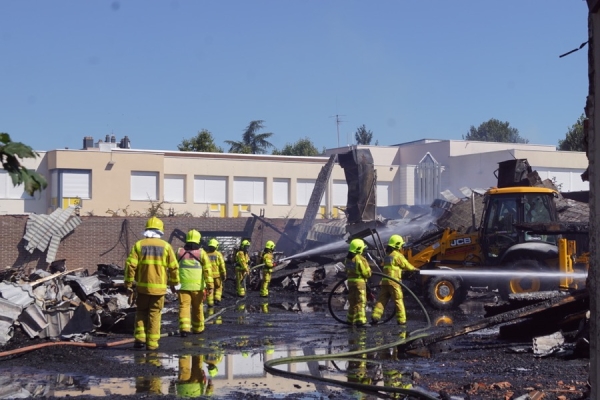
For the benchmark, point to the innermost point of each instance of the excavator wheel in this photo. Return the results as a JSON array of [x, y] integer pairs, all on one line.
[[445, 292], [523, 284]]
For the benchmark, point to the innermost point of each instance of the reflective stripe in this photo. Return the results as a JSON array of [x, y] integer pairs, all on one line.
[[152, 285]]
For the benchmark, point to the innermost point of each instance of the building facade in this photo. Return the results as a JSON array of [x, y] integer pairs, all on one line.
[[111, 180]]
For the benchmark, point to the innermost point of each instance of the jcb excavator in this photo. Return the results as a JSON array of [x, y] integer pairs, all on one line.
[[518, 247]]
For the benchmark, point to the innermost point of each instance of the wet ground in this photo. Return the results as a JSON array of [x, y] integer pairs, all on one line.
[[228, 360]]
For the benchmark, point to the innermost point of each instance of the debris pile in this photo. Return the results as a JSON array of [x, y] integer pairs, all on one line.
[[61, 304]]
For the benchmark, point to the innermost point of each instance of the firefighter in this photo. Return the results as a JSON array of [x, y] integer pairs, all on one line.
[[153, 265], [242, 267], [358, 271], [218, 271], [393, 264], [194, 274], [191, 380], [267, 268]]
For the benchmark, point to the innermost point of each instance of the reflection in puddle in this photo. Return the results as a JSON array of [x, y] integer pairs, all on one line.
[[193, 375]]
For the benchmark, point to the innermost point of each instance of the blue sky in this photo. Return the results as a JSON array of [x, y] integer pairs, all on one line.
[[160, 71]]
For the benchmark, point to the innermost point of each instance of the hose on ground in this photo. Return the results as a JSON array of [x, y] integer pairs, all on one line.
[[122, 342], [270, 365]]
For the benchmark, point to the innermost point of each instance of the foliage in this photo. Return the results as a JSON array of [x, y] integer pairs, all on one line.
[[203, 141], [303, 147], [363, 136], [252, 142], [10, 153], [495, 131], [574, 138]]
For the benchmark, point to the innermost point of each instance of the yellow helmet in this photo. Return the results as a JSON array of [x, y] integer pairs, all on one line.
[[270, 245], [193, 236], [396, 242], [245, 243], [155, 223], [213, 243], [357, 246]]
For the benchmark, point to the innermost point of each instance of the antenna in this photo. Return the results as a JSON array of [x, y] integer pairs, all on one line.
[[338, 121]]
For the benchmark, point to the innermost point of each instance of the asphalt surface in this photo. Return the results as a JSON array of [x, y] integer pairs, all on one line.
[[249, 331]]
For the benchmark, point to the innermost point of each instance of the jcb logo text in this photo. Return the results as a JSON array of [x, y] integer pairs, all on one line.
[[460, 242]]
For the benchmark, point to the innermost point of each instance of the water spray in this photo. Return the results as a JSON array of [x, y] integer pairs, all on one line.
[[508, 274]]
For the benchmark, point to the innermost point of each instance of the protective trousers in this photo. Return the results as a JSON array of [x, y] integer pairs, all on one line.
[[264, 286], [390, 292], [191, 311], [357, 302], [240, 287], [214, 291], [147, 319]]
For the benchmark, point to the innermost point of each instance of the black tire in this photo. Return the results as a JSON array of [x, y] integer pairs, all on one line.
[[445, 292], [523, 284]]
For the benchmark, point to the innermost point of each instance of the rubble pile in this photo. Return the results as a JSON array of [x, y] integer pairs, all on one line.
[[61, 304]]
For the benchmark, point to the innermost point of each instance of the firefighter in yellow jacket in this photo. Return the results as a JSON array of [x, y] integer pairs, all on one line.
[[194, 273], [358, 271], [393, 265], [214, 290], [242, 267], [267, 268], [153, 265]]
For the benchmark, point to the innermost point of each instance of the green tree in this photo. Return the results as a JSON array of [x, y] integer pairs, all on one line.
[[203, 141], [303, 147], [363, 136], [252, 142], [495, 131], [574, 138], [10, 153]]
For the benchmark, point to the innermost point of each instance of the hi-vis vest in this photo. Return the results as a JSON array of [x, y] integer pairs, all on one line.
[[357, 269], [191, 269], [152, 264]]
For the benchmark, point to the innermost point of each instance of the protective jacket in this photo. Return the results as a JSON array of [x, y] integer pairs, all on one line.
[[153, 265], [217, 263], [393, 264], [242, 261], [194, 269], [358, 269]]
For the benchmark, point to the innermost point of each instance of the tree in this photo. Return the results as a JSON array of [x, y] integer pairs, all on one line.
[[203, 141], [10, 153], [495, 131], [363, 136], [303, 147], [574, 138], [252, 142]]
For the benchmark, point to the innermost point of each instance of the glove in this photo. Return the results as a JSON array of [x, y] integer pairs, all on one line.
[[173, 289], [274, 263], [129, 291], [223, 277]]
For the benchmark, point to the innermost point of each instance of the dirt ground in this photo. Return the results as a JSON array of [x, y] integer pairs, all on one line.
[[473, 366]]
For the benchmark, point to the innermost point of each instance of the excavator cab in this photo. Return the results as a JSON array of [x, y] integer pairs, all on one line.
[[506, 207]]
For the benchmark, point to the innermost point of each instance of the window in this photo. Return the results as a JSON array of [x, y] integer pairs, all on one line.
[[281, 192], [304, 189], [210, 189], [340, 193], [249, 191], [144, 185], [8, 191], [174, 188], [75, 184], [383, 194]]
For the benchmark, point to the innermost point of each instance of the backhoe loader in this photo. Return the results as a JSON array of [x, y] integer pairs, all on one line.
[[519, 246]]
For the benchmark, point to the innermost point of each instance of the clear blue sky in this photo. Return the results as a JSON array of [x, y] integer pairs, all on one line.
[[160, 71]]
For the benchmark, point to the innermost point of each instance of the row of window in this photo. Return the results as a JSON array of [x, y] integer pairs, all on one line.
[[206, 189]]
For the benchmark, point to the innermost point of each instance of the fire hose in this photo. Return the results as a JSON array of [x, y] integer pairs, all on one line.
[[27, 349], [269, 365]]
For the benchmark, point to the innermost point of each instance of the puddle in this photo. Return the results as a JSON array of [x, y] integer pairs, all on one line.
[[206, 374]]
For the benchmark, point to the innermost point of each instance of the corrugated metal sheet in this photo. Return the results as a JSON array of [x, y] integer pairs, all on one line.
[[21, 295], [32, 320], [89, 284], [46, 231], [9, 312]]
